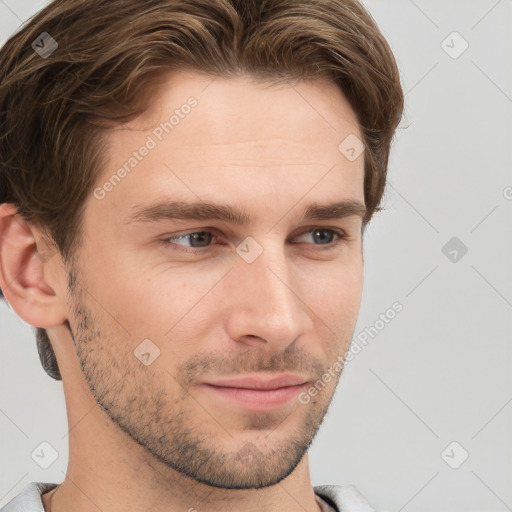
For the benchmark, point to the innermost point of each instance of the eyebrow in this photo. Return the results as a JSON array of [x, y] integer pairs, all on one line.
[[181, 210]]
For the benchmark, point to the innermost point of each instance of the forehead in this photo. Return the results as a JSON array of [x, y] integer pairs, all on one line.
[[244, 110], [212, 133]]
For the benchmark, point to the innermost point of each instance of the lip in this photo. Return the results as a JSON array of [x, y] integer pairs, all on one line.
[[257, 393], [261, 382]]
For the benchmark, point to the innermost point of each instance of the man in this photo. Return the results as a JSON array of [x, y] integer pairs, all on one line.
[[184, 186]]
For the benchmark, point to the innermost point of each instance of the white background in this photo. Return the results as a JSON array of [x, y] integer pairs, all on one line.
[[440, 371]]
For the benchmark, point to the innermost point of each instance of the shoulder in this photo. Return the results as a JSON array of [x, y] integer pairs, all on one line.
[[29, 499], [346, 498]]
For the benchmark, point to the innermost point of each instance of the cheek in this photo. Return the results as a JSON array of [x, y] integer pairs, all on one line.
[[336, 297], [161, 303], [121, 295]]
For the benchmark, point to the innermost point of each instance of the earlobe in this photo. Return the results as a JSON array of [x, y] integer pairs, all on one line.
[[22, 277]]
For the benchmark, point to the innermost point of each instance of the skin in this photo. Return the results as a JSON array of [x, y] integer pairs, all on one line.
[[151, 437]]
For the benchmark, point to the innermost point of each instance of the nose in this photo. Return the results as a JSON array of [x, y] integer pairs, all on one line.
[[266, 302]]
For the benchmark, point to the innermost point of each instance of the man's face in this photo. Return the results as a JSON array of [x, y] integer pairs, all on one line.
[[217, 304]]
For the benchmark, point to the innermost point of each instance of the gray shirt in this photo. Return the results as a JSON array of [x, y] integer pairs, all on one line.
[[332, 498]]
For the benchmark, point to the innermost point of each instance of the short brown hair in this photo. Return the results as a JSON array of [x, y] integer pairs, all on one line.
[[111, 52]]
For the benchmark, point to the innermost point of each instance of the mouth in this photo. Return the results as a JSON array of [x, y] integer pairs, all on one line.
[[256, 392]]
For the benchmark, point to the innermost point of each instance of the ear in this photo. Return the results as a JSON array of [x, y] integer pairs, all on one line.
[[23, 261]]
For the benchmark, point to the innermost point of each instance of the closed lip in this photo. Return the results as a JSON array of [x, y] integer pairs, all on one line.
[[255, 381]]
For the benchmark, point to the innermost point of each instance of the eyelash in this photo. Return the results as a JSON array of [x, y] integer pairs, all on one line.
[[194, 250]]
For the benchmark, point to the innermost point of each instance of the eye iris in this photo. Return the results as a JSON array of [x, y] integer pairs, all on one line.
[[195, 237], [322, 239]]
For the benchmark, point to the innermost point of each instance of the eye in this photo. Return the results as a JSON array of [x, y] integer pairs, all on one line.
[[200, 241], [324, 236]]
